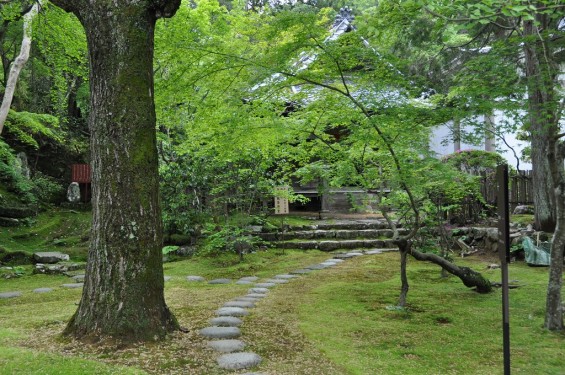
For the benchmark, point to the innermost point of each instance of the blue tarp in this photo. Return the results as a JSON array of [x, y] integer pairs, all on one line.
[[536, 255]]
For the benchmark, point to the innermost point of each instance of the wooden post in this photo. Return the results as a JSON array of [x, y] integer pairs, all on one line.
[[504, 255]]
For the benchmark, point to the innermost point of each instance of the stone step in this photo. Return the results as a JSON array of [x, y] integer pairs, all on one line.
[[330, 234], [335, 245]]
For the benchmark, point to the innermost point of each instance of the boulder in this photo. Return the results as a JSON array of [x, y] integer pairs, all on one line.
[[73, 193], [524, 210], [50, 257]]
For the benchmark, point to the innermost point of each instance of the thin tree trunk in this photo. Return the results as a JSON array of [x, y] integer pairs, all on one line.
[[469, 277], [404, 286], [18, 63], [123, 295]]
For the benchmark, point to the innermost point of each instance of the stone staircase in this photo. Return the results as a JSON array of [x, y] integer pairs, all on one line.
[[331, 235]]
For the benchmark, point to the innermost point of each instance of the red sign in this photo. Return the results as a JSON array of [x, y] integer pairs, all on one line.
[[81, 173]]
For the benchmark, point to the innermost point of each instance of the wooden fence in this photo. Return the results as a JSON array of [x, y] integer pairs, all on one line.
[[471, 211], [520, 189]]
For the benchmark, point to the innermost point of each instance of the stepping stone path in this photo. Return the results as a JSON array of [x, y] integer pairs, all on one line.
[[220, 281], [224, 329], [10, 295], [42, 290], [73, 285], [195, 278]]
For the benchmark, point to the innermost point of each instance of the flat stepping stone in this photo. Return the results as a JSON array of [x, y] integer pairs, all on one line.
[[285, 277], [265, 285], [328, 264], [227, 346], [226, 321], [220, 281], [231, 311], [343, 256], [249, 278], [316, 267], [336, 260], [42, 290], [258, 290], [221, 332], [167, 278], [238, 361], [73, 285], [195, 278], [79, 278], [244, 282], [256, 295], [6, 295], [247, 299], [354, 254], [242, 304], [301, 272], [277, 281], [373, 252]]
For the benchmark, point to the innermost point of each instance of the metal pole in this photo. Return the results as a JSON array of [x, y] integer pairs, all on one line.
[[504, 255]]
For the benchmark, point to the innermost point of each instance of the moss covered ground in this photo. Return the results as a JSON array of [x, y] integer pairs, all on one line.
[[334, 321]]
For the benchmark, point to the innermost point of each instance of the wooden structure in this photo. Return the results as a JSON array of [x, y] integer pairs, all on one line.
[[82, 174]]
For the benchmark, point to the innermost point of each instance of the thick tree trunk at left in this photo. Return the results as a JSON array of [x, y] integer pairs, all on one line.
[[123, 292]]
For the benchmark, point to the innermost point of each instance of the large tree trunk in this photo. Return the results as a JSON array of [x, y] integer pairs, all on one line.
[[541, 79], [547, 155], [123, 292]]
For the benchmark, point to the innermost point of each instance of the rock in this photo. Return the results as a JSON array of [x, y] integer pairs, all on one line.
[[265, 285], [16, 212], [42, 290], [73, 193], [220, 332], [186, 251], [244, 282], [315, 267], [227, 346], [249, 278], [373, 252], [285, 276], [73, 285], [524, 210], [238, 361], [226, 321], [9, 222], [167, 278], [231, 311], [258, 290], [247, 299], [21, 165], [195, 278], [493, 266], [256, 295], [50, 257], [300, 271], [6, 295], [220, 281], [277, 281], [242, 304], [254, 228], [79, 278]]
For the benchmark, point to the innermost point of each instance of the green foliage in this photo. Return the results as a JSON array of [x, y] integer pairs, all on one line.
[[229, 239], [169, 249], [47, 189], [33, 129], [475, 162], [12, 178]]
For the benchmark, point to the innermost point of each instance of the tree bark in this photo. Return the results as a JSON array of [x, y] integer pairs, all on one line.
[[18, 63], [123, 296], [547, 153], [541, 79], [404, 247], [469, 277]]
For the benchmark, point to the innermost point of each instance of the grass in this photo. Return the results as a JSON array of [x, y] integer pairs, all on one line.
[[333, 321], [55, 230]]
